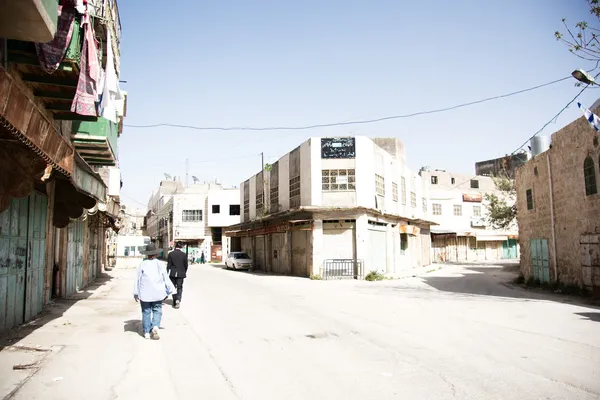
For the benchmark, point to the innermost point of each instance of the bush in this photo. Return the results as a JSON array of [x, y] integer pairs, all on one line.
[[316, 278], [374, 276]]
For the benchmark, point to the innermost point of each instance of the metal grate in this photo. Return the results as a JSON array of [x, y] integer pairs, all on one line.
[[342, 269]]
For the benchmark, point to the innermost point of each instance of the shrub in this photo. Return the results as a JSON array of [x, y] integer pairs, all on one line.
[[316, 278], [374, 276]]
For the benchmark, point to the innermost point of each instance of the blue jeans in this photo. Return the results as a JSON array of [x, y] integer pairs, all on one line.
[[151, 315]]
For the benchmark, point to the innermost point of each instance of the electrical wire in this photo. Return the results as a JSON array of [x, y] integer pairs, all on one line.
[[356, 122]]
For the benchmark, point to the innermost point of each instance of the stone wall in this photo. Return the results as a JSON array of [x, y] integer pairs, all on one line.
[[575, 214]]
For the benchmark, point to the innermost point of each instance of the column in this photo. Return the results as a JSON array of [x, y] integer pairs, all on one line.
[[314, 268], [362, 242]]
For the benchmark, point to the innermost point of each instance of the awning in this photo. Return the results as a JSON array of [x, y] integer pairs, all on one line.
[[437, 230], [492, 238], [410, 229]]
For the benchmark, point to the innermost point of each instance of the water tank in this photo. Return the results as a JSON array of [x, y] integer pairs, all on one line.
[[539, 144]]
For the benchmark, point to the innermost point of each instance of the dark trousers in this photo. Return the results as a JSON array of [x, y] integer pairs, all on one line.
[[178, 283]]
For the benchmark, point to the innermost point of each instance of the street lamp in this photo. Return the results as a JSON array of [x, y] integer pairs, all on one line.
[[584, 77]]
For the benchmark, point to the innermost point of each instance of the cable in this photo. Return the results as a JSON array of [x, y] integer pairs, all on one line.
[[357, 122]]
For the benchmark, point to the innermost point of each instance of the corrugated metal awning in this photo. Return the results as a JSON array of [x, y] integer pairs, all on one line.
[[491, 238]]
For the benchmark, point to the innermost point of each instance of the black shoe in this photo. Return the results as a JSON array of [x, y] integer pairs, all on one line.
[[177, 304]]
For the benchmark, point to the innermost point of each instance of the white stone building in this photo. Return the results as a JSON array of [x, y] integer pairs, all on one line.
[[458, 207], [335, 206], [194, 215]]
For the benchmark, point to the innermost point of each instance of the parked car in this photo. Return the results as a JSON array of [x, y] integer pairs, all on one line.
[[238, 260]]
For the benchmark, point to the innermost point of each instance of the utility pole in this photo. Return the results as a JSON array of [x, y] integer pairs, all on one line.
[[262, 161], [187, 171]]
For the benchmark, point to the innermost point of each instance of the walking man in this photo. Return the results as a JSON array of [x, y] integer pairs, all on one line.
[[177, 266], [151, 288]]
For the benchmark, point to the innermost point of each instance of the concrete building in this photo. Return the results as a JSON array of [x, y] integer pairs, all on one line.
[[503, 166], [194, 215], [335, 206], [458, 207], [559, 209]]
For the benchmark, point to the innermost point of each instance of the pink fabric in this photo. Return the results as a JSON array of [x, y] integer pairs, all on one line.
[[84, 102], [51, 54]]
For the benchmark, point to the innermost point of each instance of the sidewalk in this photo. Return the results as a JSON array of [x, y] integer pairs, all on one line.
[[92, 349]]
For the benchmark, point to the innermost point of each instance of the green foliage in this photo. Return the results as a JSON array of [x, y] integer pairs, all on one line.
[[374, 276], [316, 278], [502, 207], [268, 167], [582, 39]]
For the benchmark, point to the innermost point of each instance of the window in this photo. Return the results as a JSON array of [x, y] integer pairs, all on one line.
[[436, 208], [234, 209], [295, 192], [216, 209], [338, 179], [394, 191], [246, 208], [379, 185], [452, 181], [403, 189], [413, 199], [424, 205], [434, 180], [457, 210], [529, 195], [474, 184], [259, 202], [191, 215], [589, 175], [477, 211], [274, 199]]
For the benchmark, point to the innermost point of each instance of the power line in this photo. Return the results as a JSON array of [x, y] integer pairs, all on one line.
[[356, 122]]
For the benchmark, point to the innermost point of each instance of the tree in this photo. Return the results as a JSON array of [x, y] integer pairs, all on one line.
[[502, 206], [583, 39]]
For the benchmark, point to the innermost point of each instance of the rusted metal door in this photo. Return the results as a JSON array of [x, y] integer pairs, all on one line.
[[540, 263], [300, 253], [22, 255], [75, 257]]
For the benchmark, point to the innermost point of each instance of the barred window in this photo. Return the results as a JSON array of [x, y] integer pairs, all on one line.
[[589, 175], [413, 199], [246, 208], [295, 192], [403, 189], [338, 179], [274, 192], [259, 202], [424, 205], [191, 215], [394, 191], [457, 210], [436, 208], [477, 211], [379, 185]]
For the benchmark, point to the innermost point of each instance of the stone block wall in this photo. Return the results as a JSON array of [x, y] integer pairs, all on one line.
[[575, 214]]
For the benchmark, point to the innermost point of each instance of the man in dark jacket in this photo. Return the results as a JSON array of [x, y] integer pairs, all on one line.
[[177, 266]]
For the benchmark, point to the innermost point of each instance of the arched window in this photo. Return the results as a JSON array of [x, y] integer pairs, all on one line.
[[589, 175]]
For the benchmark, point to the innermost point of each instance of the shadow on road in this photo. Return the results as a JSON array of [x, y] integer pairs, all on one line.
[[134, 326], [495, 280], [252, 272], [590, 316], [56, 309]]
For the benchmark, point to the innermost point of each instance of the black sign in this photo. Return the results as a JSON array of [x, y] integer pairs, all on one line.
[[338, 148]]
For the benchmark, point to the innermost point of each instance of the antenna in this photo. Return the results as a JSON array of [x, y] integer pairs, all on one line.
[[187, 169]]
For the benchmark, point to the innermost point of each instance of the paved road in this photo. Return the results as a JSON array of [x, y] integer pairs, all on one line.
[[457, 333]]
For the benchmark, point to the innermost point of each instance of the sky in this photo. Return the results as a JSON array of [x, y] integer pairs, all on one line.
[[260, 63]]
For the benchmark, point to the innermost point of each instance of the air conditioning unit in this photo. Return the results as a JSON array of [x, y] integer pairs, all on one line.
[[478, 222]]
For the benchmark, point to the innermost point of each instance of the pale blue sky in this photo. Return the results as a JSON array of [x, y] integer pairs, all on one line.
[[266, 63]]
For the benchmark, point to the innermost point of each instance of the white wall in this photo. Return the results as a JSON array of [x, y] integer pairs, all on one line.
[[224, 198], [188, 230], [131, 241]]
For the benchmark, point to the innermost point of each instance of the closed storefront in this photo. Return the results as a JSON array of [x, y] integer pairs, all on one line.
[[259, 252], [378, 248], [22, 259], [280, 260], [75, 253], [300, 253], [338, 240]]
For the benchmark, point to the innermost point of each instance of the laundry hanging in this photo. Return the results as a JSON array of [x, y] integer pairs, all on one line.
[[84, 102], [51, 54], [111, 93]]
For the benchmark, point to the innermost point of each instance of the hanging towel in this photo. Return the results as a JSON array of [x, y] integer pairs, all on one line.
[[84, 102], [111, 93], [51, 54]]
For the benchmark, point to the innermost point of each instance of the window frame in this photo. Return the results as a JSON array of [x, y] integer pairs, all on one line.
[[379, 185], [329, 180], [474, 183], [529, 199], [191, 216], [239, 210], [457, 210], [589, 176], [434, 180], [395, 192], [218, 208], [435, 207], [477, 210]]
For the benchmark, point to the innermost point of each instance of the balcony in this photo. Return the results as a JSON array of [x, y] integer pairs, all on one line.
[[96, 142], [29, 20]]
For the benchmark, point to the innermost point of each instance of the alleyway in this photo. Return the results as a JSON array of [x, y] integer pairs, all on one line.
[[454, 333]]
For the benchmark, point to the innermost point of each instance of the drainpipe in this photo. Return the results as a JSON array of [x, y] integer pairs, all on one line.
[[552, 217]]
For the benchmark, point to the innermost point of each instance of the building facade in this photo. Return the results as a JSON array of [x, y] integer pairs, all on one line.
[[503, 166], [58, 131], [558, 209], [194, 215], [458, 207], [343, 206]]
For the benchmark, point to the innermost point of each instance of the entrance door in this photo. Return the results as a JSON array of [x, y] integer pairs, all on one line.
[[300, 253], [75, 257], [540, 266], [93, 261], [22, 260], [378, 249]]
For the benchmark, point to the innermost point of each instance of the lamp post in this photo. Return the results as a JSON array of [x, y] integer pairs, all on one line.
[[583, 77]]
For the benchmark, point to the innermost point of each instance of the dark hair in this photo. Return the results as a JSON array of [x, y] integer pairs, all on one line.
[[178, 245]]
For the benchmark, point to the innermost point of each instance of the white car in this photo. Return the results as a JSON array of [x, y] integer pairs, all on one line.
[[238, 260]]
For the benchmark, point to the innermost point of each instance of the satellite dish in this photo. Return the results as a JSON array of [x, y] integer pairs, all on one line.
[[195, 179], [167, 176]]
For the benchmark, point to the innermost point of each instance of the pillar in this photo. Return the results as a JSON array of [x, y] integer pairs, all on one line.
[[314, 267], [362, 241], [50, 243]]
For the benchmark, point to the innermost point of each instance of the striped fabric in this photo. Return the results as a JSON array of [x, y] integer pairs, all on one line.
[[591, 117]]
